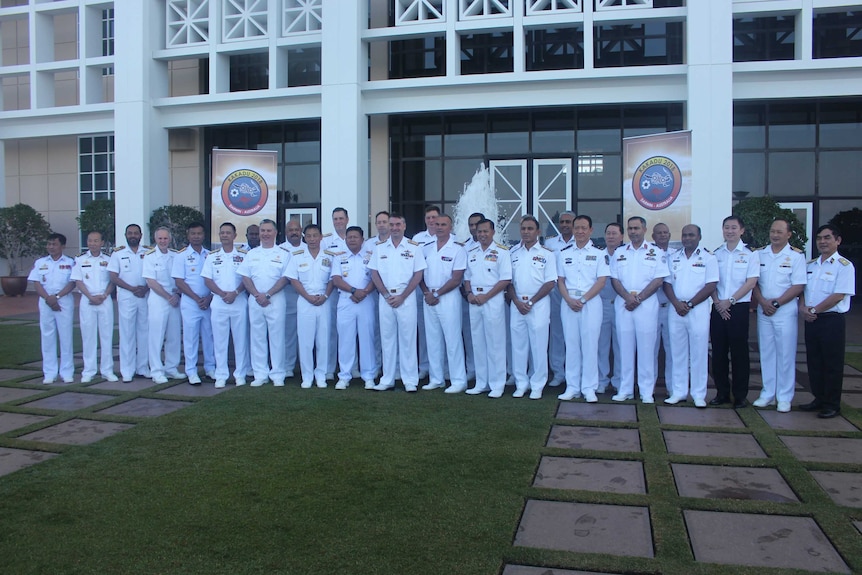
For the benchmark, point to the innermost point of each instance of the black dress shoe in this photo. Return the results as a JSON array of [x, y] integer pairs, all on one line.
[[813, 406], [739, 403], [828, 413], [719, 400]]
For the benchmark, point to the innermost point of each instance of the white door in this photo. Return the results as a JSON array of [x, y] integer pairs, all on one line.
[[552, 182], [509, 180]]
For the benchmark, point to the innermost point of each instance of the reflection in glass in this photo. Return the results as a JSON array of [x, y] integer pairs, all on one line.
[[840, 174], [791, 174], [749, 173]]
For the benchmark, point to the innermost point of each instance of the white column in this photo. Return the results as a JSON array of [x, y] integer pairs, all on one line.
[[709, 114]]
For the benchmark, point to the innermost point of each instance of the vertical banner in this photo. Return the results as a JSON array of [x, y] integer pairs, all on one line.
[[657, 179], [244, 189]]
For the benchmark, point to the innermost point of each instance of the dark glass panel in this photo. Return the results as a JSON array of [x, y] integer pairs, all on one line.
[[553, 132], [749, 174], [640, 44], [464, 135], [838, 34], [417, 57], [599, 129], [791, 174], [425, 176], [840, 173], [749, 126], [765, 38], [508, 133], [599, 176], [302, 182], [555, 49], [487, 53], [303, 67], [249, 72], [602, 214], [423, 137], [840, 124], [792, 125]]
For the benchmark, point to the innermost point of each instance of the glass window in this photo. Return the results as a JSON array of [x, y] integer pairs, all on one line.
[[792, 125], [555, 49], [108, 38], [828, 209], [599, 176], [417, 57], [838, 34], [508, 134], [457, 174], [749, 126], [647, 43], [303, 67], [424, 175], [749, 174], [302, 183], [487, 53], [465, 136], [791, 174], [840, 174], [765, 38], [602, 213], [249, 72], [600, 129], [422, 137], [840, 125]]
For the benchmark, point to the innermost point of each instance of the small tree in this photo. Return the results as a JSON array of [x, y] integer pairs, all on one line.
[[23, 233], [98, 216], [176, 219], [758, 215]]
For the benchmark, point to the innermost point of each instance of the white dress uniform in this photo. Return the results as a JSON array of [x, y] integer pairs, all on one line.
[[689, 334], [423, 238], [197, 325], [291, 341], [228, 319], [131, 311], [443, 321], [54, 275], [485, 268], [608, 338], [467, 336], [369, 246], [581, 268], [777, 334], [557, 344], [396, 266], [265, 266], [337, 245], [163, 318], [97, 321], [635, 268], [312, 321], [531, 269], [662, 333], [356, 319]]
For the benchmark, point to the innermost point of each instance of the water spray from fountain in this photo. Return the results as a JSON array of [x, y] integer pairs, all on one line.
[[479, 196]]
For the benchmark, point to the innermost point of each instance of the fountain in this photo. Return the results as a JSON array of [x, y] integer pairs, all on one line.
[[479, 196]]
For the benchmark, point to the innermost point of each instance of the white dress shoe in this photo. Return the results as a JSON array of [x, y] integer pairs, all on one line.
[[455, 389], [278, 382], [496, 394], [194, 379], [239, 381], [220, 383], [410, 388], [258, 382], [674, 399], [342, 384], [211, 374], [569, 395], [321, 384], [383, 387], [590, 396], [111, 377], [648, 399], [48, 380], [556, 382], [430, 386], [700, 403], [535, 395], [763, 402], [476, 390], [622, 397], [160, 379], [783, 407], [369, 384], [175, 375], [519, 393], [306, 385]]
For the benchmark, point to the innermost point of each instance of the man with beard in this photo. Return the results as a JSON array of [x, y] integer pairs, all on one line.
[[125, 268]]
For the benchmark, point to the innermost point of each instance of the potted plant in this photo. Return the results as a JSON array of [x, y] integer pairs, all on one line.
[[23, 232]]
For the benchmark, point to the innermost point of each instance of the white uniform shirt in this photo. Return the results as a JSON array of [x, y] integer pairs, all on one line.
[[313, 273], [443, 263], [396, 265], [662, 298], [582, 267], [780, 271], [264, 266], [608, 292], [532, 268], [157, 266], [487, 267], [835, 275], [688, 275], [53, 274], [93, 271], [734, 268], [557, 242], [353, 268], [424, 237], [187, 266], [333, 243], [371, 243], [128, 265], [221, 267], [635, 268]]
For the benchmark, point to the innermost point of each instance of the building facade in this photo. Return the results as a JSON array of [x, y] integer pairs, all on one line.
[[381, 104]]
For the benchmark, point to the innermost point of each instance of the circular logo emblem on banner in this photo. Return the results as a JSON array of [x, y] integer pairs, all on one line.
[[244, 192], [656, 183]]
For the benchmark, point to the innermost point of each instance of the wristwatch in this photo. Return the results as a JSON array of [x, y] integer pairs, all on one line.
[[775, 304], [529, 303], [267, 296], [583, 301], [732, 300], [434, 293], [352, 290], [689, 304], [812, 310]]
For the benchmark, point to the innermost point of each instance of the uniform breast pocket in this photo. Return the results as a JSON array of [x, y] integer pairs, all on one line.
[[784, 271], [538, 264], [698, 269], [828, 278]]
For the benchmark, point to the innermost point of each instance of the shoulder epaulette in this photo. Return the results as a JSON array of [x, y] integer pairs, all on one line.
[[118, 248], [152, 250], [812, 260], [844, 261], [380, 242], [501, 246], [748, 248], [462, 244], [331, 253], [567, 247], [760, 249], [295, 252], [284, 248], [476, 247], [707, 251], [326, 235], [549, 249], [177, 251], [147, 247], [412, 242], [795, 249], [215, 251], [242, 250], [718, 248]]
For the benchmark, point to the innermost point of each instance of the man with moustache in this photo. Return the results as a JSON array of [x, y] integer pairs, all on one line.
[[608, 339], [293, 242], [661, 238], [195, 303], [163, 309], [424, 238], [337, 244], [557, 343], [381, 223], [125, 268], [252, 234], [472, 221]]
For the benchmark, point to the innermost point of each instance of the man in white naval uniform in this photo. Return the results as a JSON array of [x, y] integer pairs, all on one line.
[[293, 241], [534, 275], [446, 261], [125, 267], [693, 277], [423, 238], [51, 277], [351, 275], [638, 270], [557, 342], [91, 276], [582, 271], [396, 268], [381, 222], [163, 309], [488, 274], [608, 339], [309, 270], [229, 314], [194, 303], [471, 242], [661, 238], [337, 244], [782, 279], [262, 271]]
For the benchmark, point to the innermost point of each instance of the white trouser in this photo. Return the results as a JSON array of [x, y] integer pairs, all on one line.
[[263, 322], [291, 351], [398, 340], [662, 335], [689, 347], [420, 325], [164, 320], [330, 363], [534, 327], [132, 321], [776, 336], [312, 321], [443, 335], [197, 327], [467, 335], [356, 319], [97, 328], [557, 355], [608, 339], [582, 345], [54, 325], [637, 332], [230, 320], [488, 327]]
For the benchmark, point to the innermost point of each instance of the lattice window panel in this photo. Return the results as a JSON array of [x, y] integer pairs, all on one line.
[[539, 7], [419, 11], [300, 16], [244, 19], [187, 22], [615, 4], [469, 9]]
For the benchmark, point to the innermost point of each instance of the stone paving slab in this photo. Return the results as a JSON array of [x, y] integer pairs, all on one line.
[[712, 444], [597, 412], [802, 421], [699, 417], [69, 401], [586, 528], [852, 399], [824, 449], [844, 488], [526, 570], [14, 459], [761, 541], [7, 374], [720, 482], [186, 390], [608, 476], [77, 432], [851, 371], [8, 394], [858, 526], [137, 384], [37, 365], [579, 437], [11, 421], [145, 407]]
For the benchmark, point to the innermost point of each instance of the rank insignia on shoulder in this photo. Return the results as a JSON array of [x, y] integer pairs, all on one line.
[[177, 251], [331, 253], [812, 260], [462, 244], [547, 248], [501, 246], [242, 250], [326, 235], [380, 242], [567, 247], [152, 250], [411, 242], [296, 252], [215, 251], [844, 261], [795, 249], [117, 248]]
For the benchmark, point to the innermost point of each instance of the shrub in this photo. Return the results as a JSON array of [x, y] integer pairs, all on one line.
[[758, 215], [176, 219]]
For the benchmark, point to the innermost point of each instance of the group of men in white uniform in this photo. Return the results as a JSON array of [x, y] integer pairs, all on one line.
[[275, 303]]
